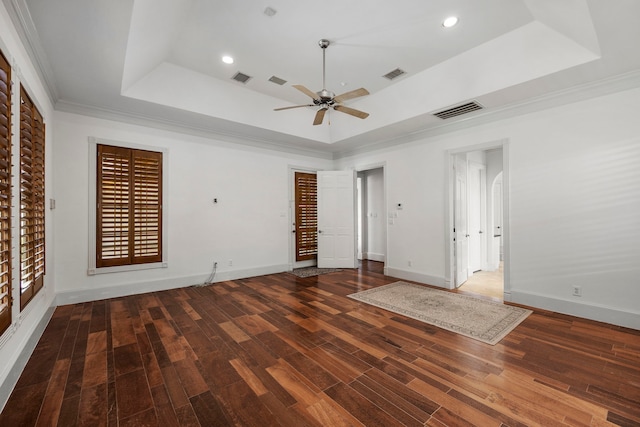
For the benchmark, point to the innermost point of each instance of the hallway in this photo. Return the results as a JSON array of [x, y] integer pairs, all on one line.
[[487, 283]]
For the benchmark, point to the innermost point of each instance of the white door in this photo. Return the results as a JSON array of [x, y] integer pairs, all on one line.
[[460, 220], [336, 219], [476, 217]]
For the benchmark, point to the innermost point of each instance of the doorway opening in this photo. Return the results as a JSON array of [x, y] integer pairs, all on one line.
[[371, 217], [477, 228], [323, 217]]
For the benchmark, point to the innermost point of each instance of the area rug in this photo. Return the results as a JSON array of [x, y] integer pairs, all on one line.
[[313, 271], [483, 320]]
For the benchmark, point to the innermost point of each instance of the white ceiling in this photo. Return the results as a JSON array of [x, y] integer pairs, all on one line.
[[160, 60]]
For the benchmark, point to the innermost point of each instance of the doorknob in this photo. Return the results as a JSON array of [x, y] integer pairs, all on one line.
[[319, 231], [480, 232]]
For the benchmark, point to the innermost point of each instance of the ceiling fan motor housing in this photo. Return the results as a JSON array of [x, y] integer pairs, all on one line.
[[326, 95]]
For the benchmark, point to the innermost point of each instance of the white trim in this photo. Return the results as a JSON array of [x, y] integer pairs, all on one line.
[[364, 169], [602, 87], [135, 288], [427, 279], [600, 313], [373, 256], [14, 366], [267, 140], [93, 154], [28, 34]]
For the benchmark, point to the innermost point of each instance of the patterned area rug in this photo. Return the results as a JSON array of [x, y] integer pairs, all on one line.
[[486, 321], [313, 271]]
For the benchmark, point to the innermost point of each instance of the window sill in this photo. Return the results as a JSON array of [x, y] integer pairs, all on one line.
[[125, 268]]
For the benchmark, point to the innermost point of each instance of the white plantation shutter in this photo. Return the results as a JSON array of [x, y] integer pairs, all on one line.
[[32, 243], [5, 194], [129, 206]]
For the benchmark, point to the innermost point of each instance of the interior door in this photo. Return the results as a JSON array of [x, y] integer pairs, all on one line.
[[336, 219], [306, 217], [460, 220], [476, 194]]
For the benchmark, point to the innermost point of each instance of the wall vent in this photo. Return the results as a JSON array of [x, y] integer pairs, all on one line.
[[394, 74], [241, 77], [277, 80], [459, 110]]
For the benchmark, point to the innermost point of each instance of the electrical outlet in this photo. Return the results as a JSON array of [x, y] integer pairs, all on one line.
[[410, 263], [230, 263], [577, 291]]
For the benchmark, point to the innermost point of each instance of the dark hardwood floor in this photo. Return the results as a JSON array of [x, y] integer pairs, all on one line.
[[278, 350]]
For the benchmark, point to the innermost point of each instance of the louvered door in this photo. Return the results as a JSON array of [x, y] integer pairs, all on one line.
[[306, 216], [32, 235], [5, 194]]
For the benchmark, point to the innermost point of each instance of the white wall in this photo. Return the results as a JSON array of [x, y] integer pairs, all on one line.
[[248, 226], [574, 203], [20, 339]]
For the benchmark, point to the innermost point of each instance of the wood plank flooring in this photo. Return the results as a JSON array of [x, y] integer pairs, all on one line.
[[278, 350]]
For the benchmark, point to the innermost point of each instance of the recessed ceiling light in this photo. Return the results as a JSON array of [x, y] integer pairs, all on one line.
[[450, 22], [227, 59]]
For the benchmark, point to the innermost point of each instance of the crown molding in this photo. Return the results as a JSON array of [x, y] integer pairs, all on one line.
[[582, 92], [28, 34], [179, 127]]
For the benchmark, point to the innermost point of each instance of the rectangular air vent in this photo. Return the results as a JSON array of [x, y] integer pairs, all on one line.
[[394, 74], [277, 80], [459, 110], [240, 77]]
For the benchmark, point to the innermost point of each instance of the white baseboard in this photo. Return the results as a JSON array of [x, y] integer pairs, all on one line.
[[415, 276], [95, 294], [373, 256], [601, 313], [15, 370]]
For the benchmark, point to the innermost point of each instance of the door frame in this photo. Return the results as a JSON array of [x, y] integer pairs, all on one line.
[[362, 171], [449, 211]]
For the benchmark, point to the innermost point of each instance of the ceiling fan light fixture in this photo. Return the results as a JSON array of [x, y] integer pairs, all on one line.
[[450, 22]]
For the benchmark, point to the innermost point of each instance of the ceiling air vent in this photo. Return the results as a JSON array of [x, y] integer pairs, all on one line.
[[240, 77], [277, 80], [394, 74], [459, 110]]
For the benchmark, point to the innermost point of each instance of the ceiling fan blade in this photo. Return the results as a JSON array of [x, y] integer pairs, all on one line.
[[351, 111], [319, 116], [352, 94], [295, 106], [307, 92]]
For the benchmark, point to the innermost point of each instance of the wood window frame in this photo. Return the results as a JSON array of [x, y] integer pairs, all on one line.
[[32, 199], [6, 297], [137, 263]]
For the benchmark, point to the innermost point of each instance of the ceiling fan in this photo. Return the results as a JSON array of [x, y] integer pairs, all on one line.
[[326, 99]]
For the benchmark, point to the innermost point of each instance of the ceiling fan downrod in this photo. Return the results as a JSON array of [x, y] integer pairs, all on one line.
[[324, 44]]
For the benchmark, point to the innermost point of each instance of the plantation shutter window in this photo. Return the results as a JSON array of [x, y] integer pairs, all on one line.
[[129, 206], [32, 238], [5, 194], [306, 210]]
